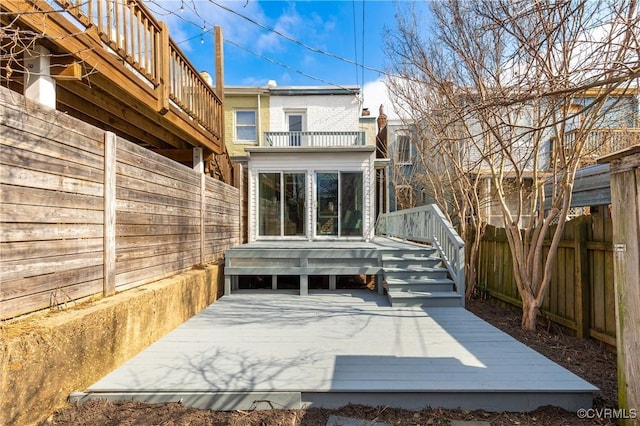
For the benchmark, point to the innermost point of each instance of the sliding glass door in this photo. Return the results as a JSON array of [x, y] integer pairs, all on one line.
[[339, 197], [281, 204]]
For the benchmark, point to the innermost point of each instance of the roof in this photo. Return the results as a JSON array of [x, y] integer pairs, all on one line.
[[314, 90], [292, 90], [591, 187]]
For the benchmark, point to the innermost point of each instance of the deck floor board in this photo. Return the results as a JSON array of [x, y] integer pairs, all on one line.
[[340, 343]]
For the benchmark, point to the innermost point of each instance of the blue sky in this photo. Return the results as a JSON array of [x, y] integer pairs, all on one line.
[[255, 54]]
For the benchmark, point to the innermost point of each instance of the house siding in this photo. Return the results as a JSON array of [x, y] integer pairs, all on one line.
[[324, 113], [235, 102], [330, 161]]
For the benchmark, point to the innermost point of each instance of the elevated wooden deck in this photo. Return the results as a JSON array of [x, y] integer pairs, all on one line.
[[410, 273], [116, 67], [272, 350]]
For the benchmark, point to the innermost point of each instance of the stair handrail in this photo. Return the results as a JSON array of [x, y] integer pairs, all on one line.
[[427, 224]]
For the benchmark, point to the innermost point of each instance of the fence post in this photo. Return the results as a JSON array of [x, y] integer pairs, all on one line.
[[198, 167], [583, 286], [109, 226]]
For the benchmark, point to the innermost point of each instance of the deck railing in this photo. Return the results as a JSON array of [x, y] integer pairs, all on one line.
[[427, 224], [318, 139], [130, 30], [604, 141]]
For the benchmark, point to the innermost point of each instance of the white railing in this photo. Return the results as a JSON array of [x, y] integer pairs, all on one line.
[[427, 224], [282, 139]]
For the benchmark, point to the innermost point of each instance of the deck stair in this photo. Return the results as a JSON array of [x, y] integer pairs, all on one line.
[[417, 277]]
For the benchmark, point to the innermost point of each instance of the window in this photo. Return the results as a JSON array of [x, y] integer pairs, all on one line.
[[246, 129], [282, 204], [403, 149]]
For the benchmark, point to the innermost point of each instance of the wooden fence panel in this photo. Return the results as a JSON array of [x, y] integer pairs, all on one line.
[[171, 208], [600, 253], [222, 219], [55, 195], [581, 294], [51, 221]]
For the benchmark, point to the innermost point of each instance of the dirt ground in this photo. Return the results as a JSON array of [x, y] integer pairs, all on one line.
[[586, 358]]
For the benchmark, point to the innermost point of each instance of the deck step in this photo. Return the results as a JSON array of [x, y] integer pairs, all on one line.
[[410, 253], [410, 262], [424, 298], [417, 278], [429, 285], [415, 273]]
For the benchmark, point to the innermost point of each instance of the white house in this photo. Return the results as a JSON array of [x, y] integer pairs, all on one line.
[[313, 176]]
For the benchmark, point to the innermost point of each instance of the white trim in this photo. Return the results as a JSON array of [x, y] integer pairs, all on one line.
[[236, 139]]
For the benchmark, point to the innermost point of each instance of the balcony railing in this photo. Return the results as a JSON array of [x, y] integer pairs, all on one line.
[[317, 139], [143, 43], [605, 141]]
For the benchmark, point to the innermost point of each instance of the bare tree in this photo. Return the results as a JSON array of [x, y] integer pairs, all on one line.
[[516, 76]]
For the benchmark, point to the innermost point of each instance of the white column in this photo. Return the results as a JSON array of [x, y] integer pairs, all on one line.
[[39, 85]]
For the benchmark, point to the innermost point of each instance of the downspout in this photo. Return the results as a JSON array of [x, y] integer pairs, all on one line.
[[259, 123]]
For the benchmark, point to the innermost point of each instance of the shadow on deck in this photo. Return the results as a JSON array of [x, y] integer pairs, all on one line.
[[266, 350]]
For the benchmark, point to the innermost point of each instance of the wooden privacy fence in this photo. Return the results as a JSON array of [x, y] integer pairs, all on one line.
[[581, 294], [84, 212]]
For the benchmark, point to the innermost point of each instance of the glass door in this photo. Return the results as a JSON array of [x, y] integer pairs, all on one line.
[[295, 121], [351, 204], [327, 204], [282, 204], [339, 198]]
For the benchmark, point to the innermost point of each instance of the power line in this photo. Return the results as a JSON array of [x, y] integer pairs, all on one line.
[[190, 4], [273, 61], [296, 41]]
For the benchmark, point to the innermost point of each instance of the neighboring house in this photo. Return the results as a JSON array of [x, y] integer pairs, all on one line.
[[310, 160], [406, 190], [246, 117], [617, 129]]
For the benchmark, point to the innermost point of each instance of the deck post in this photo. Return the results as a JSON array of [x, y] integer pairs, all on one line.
[[274, 282], [332, 282], [304, 279], [39, 86], [227, 285]]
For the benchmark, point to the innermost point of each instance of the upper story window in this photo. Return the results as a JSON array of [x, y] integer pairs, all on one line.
[[246, 129], [403, 149]]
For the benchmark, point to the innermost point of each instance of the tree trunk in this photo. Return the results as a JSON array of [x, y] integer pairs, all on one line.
[[529, 313]]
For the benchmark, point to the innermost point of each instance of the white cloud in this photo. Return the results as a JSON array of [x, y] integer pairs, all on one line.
[[375, 94]]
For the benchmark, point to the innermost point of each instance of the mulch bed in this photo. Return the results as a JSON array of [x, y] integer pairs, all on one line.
[[588, 359]]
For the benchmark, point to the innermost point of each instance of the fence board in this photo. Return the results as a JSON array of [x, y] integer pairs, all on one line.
[[35, 249], [21, 213], [10, 194], [34, 179], [23, 287], [55, 158], [50, 298], [13, 232], [19, 269]]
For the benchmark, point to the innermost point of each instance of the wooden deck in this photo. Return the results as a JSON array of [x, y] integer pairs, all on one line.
[[265, 349]]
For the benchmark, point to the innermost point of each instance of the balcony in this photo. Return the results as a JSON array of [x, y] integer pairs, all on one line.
[[123, 73], [314, 139], [604, 141]]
